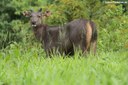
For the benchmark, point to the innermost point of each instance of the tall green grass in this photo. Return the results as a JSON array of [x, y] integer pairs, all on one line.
[[29, 66]]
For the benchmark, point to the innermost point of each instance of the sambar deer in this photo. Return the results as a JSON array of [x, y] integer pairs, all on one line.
[[77, 33]]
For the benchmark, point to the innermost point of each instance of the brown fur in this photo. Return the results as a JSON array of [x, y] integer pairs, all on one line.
[[77, 33], [88, 35]]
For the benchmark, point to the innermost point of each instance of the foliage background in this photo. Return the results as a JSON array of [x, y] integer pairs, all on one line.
[[111, 20]]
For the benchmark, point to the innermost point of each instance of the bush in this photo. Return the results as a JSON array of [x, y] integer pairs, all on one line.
[[112, 26], [111, 21]]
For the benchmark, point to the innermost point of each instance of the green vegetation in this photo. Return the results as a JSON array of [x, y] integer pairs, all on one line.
[[23, 61], [21, 66]]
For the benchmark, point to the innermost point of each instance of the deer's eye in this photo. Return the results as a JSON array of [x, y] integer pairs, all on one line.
[[39, 16], [30, 15]]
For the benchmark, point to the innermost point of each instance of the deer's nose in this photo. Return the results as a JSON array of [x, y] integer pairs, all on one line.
[[33, 22]]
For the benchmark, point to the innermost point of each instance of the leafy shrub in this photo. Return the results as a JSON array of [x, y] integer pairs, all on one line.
[[112, 26], [112, 23]]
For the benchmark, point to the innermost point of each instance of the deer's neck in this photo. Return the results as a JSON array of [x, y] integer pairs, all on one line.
[[40, 32]]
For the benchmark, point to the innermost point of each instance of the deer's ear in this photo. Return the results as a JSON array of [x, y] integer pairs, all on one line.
[[27, 13], [47, 13], [40, 10]]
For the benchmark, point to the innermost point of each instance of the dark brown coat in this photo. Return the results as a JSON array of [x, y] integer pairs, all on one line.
[[79, 33]]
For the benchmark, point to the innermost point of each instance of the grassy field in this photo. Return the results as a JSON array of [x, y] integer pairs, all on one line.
[[27, 66]]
